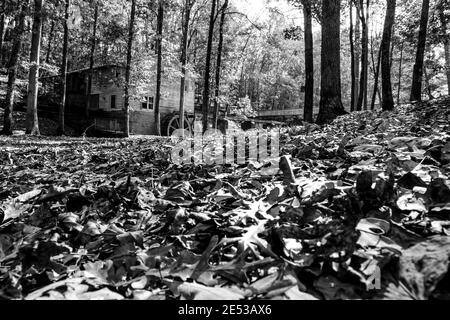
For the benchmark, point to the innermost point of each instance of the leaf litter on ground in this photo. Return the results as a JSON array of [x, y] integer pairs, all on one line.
[[115, 219]]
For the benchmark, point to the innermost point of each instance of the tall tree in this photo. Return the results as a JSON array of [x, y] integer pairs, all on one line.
[[309, 62], [159, 35], [443, 19], [330, 93], [364, 17], [388, 100], [357, 55], [12, 69], [416, 87], [206, 89], [184, 50], [376, 75], [400, 73], [62, 105], [2, 25], [128, 69], [352, 59], [32, 120], [92, 60], [50, 41], [219, 62]]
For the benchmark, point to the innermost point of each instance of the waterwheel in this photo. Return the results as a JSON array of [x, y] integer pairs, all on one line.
[[171, 122]]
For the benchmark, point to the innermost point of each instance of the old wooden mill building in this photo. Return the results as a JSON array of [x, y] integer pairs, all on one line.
[[107, 100]]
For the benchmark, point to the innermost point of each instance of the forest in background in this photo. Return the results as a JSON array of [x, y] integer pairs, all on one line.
[[262, 57]]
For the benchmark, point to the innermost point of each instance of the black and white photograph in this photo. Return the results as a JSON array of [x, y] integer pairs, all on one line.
[[239, 151]]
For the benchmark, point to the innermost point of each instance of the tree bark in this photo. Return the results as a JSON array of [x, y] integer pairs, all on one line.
[[12, 70], [183, 60], [388, 100], [128, 69], [2, 27], [160, 24], [427, 82], [206, 91], [32, 120], [364, 17], [309, 63], [219, 63], [400, 73], [50, 41], [62, 106], [91, 61], [357, 55], [445, 37], [416, 87], [447, 62], [376, 73], [330, 93], [352, 57]]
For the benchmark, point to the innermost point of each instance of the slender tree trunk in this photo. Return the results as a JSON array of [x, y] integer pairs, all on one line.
[[447, 62], [183, 60], [366, 59], [391, 54], [32, 120], [2, 27], [219, 62], [357, 55], [309, 63], [352, 57], [388, 100], [364, 17], [376, 73], [50, 41], [62, 106], [159, 32], [427, 82], [330, 94], [91, 61], [12, 70], [416, 87], [445, 37], [206, 90], [128, 69], [400, 71]]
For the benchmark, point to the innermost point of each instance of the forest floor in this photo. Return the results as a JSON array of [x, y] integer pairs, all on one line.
[[366, 217]]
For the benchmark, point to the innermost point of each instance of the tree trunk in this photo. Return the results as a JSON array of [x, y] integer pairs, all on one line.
[[400, 71], [12, 70], [183, 60], [427, 82], [447, 62], [208, 67], [50, 41], [352, 58], [364, 17], [128, 69], [388, 100], [91, 61], [32, 121], [219, 62], [445, 38], [416, 87], [357, 55], [160, 24], [376, 73], [2, 27], [62, 106], [309, 63], [330, 93]]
